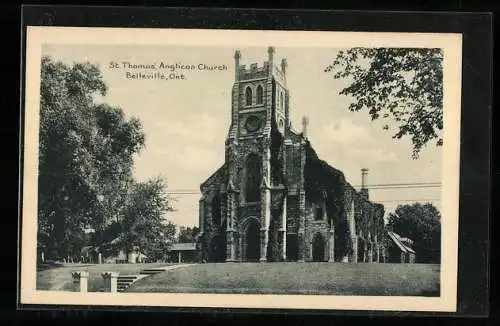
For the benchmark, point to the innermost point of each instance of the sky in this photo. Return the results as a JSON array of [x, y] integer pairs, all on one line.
[[186, 121]]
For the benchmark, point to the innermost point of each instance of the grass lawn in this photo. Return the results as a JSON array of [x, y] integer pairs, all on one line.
[[59, 278], [297, 278]]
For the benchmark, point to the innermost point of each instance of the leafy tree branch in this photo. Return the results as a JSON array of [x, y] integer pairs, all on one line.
[[403, 85]]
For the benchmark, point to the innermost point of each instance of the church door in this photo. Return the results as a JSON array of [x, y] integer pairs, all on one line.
[[252, 238], [318, 248]]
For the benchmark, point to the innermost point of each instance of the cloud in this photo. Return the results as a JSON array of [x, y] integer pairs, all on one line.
[[345, 131], [199, 127], [376, 155], [197, 158], [191, 158]]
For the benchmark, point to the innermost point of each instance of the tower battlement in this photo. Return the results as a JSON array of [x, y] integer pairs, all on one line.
[[253, 72], [269, 68]]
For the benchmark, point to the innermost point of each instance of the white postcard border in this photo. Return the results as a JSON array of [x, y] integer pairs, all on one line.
[[452, 45]]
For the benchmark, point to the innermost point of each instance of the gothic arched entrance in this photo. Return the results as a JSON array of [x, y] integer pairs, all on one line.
[[318, 248], [251, 238]]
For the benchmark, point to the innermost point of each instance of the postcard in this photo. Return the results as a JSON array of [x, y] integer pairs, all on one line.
[[241, 169]]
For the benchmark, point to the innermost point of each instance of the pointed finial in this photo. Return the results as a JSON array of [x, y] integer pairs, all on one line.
[[284, 64], [237, 56], [270, 52], [305, 122]]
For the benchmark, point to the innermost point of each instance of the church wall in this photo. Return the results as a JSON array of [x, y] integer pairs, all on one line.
[[292, 214], [289, 159], [313, 227], [369, 226], [348, 208], [212, 187], [293, 165], [368, 223]]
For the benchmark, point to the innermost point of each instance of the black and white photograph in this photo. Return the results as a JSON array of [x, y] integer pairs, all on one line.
[[268, 169]]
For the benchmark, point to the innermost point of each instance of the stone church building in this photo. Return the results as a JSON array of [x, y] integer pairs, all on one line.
[[273, 199]]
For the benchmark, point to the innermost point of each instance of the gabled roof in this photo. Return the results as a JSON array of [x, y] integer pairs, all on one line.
[[400, 242], [183, 246], [213, 175]]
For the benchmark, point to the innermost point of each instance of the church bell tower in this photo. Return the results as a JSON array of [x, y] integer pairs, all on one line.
[[259, 109]]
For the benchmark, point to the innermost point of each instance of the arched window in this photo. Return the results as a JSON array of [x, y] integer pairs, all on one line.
[[216, 212], [260, 95], [281, 100], [248, 94], [253, 178]]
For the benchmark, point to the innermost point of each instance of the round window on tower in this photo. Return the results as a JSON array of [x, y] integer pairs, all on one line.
[[252, 123]]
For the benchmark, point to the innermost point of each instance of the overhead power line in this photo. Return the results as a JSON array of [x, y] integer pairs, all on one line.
[[407, 200], [374, 186]]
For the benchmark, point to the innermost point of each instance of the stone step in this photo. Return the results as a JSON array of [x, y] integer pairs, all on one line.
[[124, 282], [128, 277]]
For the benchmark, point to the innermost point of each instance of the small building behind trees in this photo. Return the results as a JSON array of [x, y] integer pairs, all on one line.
[[184, 253], [399, 249]]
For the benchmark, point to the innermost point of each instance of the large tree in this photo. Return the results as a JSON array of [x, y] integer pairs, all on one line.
[[85, 157], [404, 85], [422, 224], [144, 226], [188, 234]]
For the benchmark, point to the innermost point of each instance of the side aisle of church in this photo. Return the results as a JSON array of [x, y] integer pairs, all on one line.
[[274, 199]]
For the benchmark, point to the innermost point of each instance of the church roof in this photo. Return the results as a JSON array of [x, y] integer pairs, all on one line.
[[183, 246], [217, 174], [401, 242], [319, 175], [322, 175], [293, 135]]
